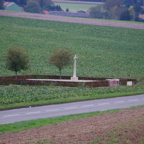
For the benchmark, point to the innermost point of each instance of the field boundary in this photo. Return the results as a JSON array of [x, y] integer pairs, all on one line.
[[73, 20], [48, 80]]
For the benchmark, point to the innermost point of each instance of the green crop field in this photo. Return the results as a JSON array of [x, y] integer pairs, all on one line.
[[102, 52], [21, 94], [74, 7]]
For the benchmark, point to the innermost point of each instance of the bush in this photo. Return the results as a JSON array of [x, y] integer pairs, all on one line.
[[67, 10]]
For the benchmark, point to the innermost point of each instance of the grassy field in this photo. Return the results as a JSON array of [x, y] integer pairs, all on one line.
[[48, 94], [102, 52], [74, 7]]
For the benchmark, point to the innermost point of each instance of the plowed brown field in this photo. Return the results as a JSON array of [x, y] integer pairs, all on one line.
[[127, 125], [73, 20]]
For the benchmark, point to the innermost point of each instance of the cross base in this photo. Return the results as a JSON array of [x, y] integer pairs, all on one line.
[[74, 78]]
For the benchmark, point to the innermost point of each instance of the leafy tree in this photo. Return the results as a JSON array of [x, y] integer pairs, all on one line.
[[125, 15], [32, 7], [132, 12], [61, 58], [58, 8], [109, 4], [113, 8], [2, 4], [137, 18], [137, 9], [127, 5], [127, 2], [17, 59], [140, 2], [53, 8], [22, 2], [142, 11], [96, 11], [133, 2], [115, 12], [44, 3]]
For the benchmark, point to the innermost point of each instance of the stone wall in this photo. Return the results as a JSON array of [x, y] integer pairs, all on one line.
[[100, 82]]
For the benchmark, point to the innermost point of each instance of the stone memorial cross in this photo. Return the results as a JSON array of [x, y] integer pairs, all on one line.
[[74, 73]]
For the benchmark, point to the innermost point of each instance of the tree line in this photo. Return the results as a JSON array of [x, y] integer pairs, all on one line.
[[114, 9], [17, 59], [43, 2], [34, 6], [24, 2], [124, 2]]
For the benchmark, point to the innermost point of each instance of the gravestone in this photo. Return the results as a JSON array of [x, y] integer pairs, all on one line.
[[129, 83]]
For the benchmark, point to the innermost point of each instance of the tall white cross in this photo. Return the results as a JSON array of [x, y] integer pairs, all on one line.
[[74, 78], [74, 73]]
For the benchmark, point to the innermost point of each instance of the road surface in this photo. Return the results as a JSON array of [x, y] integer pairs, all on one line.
[[31, 113]]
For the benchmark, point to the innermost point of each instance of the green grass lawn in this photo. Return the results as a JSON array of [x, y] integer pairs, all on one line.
[[102, 52], [74, 7]]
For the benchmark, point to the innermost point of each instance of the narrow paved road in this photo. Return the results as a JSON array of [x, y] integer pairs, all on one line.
[[24, 114]]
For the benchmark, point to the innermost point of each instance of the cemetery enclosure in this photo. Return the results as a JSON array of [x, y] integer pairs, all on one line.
[[54, 80]]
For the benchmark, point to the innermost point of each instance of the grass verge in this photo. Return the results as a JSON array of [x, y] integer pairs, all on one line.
[[68, 100], [17, 126]]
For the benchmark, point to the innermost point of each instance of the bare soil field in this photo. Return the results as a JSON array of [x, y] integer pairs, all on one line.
[[125, 126], [73, 20]]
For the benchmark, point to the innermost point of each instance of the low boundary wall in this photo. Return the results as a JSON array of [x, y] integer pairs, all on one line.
[[100, 82]]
